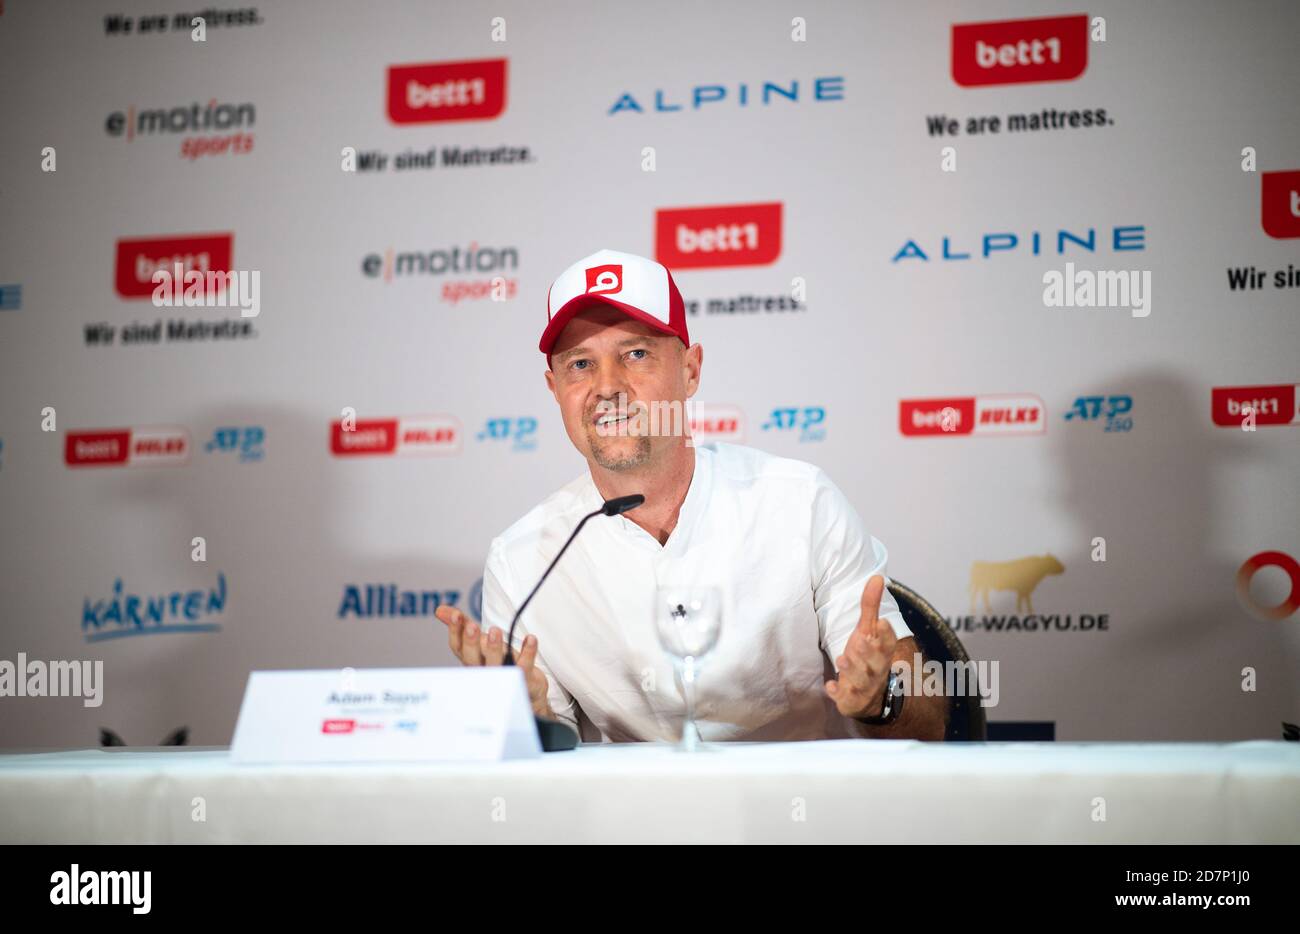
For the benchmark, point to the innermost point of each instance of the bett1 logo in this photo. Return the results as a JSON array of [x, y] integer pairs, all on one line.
[[1020, 51], [433, 92]]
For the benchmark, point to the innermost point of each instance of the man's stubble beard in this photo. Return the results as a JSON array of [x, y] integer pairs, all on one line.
[[639, 457]]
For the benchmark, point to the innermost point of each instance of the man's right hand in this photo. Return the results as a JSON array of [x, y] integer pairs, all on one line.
[[474, 647]]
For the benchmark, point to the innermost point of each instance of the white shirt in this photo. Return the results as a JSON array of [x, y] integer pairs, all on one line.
[[775, 535]]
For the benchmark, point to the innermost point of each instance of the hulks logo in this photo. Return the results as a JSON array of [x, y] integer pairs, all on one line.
[[982, 415], [127, 447], [429, 434]]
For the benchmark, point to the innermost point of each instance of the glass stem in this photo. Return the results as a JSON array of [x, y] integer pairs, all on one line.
[[689, 735]]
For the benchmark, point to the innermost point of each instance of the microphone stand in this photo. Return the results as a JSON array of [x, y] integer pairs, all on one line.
[[553, 734]]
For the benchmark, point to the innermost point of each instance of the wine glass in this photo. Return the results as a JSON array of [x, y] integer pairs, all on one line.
[[688, 621]]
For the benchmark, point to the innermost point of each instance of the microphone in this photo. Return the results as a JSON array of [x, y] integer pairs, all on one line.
[[620, 504], [555, 735]]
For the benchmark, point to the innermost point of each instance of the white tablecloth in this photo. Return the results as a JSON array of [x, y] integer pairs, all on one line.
[[859, 791]]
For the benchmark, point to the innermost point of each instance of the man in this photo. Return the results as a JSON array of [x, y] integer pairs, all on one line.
[[809, 632]]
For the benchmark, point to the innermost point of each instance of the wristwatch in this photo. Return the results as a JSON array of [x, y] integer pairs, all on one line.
[[893, 705]]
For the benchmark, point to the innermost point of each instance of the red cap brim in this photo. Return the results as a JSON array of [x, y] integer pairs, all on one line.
[[578, 303]]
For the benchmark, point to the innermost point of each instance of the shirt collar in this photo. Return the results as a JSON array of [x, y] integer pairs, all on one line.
[[697, 496]]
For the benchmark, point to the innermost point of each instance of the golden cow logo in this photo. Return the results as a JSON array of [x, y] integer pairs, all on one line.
[[1021, 575]]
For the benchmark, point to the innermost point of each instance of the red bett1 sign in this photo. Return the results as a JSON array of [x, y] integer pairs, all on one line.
[[721, 235], [439, 91], [139, 259], [1281, 204], [1018, 51]]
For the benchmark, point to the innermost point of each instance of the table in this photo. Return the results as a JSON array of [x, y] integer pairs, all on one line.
[[833, 791]]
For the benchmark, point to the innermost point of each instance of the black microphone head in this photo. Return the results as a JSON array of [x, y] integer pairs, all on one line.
[[621, 504]]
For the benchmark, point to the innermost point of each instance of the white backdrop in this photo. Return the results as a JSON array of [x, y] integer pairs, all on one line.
[[598, 94]]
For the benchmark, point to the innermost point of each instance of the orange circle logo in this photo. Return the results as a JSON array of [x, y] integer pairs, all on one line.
[[1263, 560]]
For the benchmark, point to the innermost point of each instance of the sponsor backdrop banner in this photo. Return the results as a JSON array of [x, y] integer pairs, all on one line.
[[1021, 276]]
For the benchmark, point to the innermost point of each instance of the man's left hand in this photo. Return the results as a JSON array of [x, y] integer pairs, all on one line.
[[863, 669]]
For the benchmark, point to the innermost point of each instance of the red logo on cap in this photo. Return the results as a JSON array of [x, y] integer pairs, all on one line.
[[605, 280]]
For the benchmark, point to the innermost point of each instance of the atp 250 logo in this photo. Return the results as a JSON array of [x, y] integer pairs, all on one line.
[[1111, 412], [520, 432], [807, 423]]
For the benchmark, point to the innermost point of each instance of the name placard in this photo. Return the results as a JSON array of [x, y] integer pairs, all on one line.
[[386, 715]]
